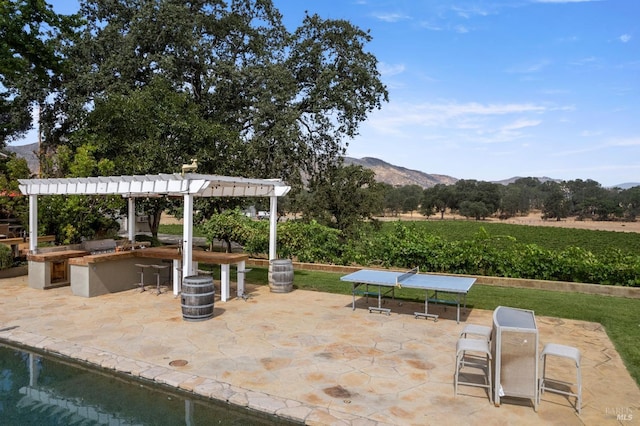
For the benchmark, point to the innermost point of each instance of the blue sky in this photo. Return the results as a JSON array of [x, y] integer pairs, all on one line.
[[489, 90]]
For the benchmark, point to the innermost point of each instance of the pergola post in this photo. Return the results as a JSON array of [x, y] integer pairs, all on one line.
[[187, 237], [33, 223], [131, 221], [273, 232]]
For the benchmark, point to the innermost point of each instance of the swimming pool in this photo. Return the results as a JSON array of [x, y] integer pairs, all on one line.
[[37, 389]]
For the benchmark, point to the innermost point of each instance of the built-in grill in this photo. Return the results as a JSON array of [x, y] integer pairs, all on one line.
[[99, 246]]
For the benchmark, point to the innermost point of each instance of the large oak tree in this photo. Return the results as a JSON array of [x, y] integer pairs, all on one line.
[[223, 81]]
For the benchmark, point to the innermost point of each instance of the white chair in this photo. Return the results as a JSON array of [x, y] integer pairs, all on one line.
[[477, 330], [562, 351], [479, 346]]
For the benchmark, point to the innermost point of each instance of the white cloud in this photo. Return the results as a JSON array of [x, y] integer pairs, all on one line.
[[521, 124], [390, 70], [632, 141], [469, 12], [625, 38], [390, 17], [472, 121]]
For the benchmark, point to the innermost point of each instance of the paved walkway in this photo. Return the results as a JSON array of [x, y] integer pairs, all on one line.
[[308, 356]]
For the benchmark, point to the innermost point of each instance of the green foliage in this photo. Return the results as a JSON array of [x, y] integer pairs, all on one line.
[[403, 245], [223, 82], [343, 198], [228, 226], [12, 203], [74, 217], [309, 242], [306, 242], [6, 257], [29, 60]]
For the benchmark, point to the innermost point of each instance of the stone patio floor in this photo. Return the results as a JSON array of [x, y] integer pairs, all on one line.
[[309, 357]]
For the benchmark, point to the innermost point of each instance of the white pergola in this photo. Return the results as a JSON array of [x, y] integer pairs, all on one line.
[[188, 186]]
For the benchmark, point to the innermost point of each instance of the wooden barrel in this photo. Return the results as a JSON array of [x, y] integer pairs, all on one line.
[[197, 297], [281, 275]]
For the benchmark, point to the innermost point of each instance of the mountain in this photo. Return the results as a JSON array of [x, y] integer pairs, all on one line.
[[28, 152], [627, 185], [542, 179], [385, 172], [399, 176]]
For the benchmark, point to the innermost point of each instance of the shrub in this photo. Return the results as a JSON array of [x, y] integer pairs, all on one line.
[[6, 257]]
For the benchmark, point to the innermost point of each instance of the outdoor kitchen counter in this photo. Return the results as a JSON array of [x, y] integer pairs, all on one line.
[[96, 274], [51, 269]]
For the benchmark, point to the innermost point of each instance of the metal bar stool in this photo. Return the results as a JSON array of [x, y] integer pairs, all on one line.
[[473, 345], [478, 330], [554, 349], [142, 267], [157, 273]]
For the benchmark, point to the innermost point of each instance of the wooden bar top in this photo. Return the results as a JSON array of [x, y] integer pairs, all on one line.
[[198, 255], [160, 253], [55, 256], [101, 257]]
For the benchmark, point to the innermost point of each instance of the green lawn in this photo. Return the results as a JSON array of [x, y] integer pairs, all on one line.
[[619, 316]]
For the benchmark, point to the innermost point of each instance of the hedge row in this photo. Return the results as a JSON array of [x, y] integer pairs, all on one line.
[[407, 246]]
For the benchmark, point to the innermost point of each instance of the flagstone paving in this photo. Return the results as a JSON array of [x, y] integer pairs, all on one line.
[[309, 357]]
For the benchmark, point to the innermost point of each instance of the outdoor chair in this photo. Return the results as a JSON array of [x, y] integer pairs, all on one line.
[[142, 267], [157, 273], [562, 351], [478, 346], [477, 330]]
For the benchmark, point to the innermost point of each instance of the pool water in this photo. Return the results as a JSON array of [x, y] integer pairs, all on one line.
[[42, 390]]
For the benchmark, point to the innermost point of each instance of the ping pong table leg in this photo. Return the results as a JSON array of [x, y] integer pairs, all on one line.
[[379, 308], [353, 292], [426, 313]]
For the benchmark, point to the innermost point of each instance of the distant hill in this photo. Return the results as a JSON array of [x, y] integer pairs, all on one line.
[[28, 152], [399, 176], [627, 185], [385, 172], [542, 179]]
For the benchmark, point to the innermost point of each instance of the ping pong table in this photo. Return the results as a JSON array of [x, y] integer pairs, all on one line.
[[456, 286]]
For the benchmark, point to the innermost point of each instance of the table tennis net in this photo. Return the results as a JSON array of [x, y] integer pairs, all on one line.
[[406, 275]]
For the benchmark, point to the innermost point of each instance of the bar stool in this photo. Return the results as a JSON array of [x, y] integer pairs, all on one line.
[[554, 349], [157, 273], [481, 346], [142, 267], [478, 330]]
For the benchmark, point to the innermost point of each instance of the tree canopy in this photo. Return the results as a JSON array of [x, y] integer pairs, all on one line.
[[158, 82], [30, 37]]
